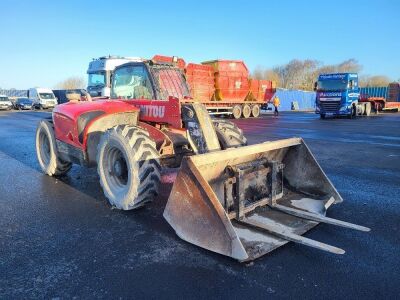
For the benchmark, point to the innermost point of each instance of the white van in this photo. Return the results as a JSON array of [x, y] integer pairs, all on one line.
[[5, 102], [42, 98]]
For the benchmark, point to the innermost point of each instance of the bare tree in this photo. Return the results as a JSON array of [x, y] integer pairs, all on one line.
[[301, 74], [74, 82], [374, 81], [348, 66]]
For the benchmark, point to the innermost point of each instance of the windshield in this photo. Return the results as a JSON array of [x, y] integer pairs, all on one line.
[[3, 98], [46, 96], [97, 79], [170, 81], [132, 82], [332, 85]]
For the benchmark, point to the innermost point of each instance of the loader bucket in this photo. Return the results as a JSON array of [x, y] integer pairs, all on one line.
[[248, 201]]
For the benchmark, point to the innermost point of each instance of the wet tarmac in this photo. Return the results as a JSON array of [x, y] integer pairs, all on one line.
[[60, 237]]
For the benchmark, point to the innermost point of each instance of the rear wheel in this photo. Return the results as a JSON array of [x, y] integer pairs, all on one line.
[[237, 111], [368, 109], [46, 151], [128, 166], [229, 135], [246, 111], [362, 110], [255, 111]]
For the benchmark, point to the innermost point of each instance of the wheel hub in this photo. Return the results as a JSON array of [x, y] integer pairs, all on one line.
[[117, 168]]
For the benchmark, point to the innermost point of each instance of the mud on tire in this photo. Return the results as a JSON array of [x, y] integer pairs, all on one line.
[[46, 151], [229, 135], [128, 166]]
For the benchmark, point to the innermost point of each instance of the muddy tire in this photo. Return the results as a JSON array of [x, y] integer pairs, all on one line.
[[237, 111], [229, 135], [46, 151], [255, 111], [129, 167], [246, 111]]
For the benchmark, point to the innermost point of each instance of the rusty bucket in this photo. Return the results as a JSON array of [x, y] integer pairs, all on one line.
[[248, 201]]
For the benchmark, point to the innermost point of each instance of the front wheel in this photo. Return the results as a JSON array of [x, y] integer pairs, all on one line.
[[128, 166], [229, 135], [353, 113], [46, 151]]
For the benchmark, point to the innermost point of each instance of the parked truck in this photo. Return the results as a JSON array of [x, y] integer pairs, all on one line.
[[338, 95], [100, 71], [224, 86]]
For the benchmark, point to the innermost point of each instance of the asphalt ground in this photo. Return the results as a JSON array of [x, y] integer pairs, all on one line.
[[60, 237]]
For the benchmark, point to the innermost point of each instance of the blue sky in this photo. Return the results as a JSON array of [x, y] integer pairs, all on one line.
[[43, 42]]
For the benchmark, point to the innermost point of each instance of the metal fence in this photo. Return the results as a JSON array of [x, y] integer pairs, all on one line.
[[305, 99], [14, 93]]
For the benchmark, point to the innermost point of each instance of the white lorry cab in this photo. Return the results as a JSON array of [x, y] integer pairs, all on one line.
[[100, 71], [42, 98]]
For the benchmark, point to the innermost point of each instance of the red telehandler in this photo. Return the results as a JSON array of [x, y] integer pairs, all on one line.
[[237, 200]]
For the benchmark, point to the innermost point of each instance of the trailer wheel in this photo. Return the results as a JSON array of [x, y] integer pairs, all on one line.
[[46, 151], [246, 111], [229, 135], [255, 111], [362, 110], [237, 111], [128, 166], [367, 109]]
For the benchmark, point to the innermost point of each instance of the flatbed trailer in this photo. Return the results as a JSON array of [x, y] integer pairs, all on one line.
[[379, 104], [224, 86]]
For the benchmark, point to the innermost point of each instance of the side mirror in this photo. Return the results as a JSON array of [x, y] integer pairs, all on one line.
[[315, 86]]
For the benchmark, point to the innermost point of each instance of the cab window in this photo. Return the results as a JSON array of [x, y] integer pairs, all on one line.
[[132, 82]]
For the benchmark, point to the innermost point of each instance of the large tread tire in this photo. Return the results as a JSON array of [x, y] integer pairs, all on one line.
[[46, 151], [246, 111], [133, 149], [255, 110], [229, 135]]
